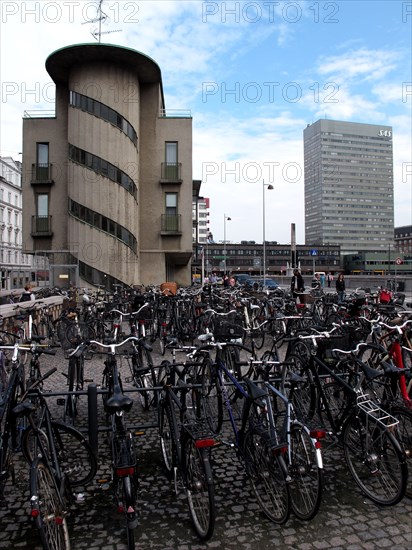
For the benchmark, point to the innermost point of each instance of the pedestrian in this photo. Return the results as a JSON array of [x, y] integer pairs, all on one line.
[[232, 281], [213, 278], [322, 280], [297, 285], [27, 294], [226, 282], [340, 287], [330, 279]]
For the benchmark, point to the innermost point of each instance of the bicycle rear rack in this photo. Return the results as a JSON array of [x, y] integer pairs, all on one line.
[[374, 411]]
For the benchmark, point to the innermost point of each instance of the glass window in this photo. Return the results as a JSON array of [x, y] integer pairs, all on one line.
[[42, 204], [171, 204], [171, 152], [42, 153]]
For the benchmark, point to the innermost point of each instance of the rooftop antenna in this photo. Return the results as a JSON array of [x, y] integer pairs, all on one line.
[[100, 17]]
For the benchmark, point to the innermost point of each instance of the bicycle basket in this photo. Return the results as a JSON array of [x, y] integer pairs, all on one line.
[[341, 341], [228, 328]]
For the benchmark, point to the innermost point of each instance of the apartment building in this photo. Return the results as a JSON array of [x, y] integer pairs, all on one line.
[[349, 185], [15, 266], [107, 181]]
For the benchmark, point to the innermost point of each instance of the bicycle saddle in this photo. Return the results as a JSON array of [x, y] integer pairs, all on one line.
[[118, 402]]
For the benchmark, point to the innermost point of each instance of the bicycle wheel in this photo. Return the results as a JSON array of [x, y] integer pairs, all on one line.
[[79, 332], [199, 487], [47, 508], [167, 445], [145, 378], [267, 477], [74, 453], [72, 398], [126, 494], [375, 460], [211, 395], [305, 486], [403, 433]]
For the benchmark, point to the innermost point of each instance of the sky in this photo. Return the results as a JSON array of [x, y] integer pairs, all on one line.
[[252, 74]]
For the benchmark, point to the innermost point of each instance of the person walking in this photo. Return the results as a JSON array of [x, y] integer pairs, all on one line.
[[297, 284], [340, 287]]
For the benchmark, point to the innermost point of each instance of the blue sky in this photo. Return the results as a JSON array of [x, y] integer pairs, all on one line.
[[253, 74]]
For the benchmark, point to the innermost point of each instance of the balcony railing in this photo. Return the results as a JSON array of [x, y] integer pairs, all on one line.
[[175, 113], [41, 226], [171, 223], [41, 173], [171, 172]]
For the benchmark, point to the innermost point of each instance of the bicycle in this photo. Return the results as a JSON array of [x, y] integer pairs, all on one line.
[[256, 441], [12, 388], [185, 444], [55, 467], [122, 440], [374, 457]]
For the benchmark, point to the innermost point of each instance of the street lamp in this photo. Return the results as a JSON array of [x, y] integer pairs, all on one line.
[[225, 219], [270, 187]]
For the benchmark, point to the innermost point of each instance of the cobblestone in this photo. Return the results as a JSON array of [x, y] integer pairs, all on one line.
[[346, 518]]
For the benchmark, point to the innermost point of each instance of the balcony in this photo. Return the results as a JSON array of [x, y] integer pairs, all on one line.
[[41, 226], [171, 224], [41, 174], [171, 172]]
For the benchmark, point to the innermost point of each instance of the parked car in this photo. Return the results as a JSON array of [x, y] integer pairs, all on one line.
[[257, 284]]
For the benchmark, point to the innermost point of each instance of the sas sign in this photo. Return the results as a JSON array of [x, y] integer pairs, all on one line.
[[385, 133]]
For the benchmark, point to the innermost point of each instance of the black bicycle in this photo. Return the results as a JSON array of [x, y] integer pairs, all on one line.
[[185, 442]]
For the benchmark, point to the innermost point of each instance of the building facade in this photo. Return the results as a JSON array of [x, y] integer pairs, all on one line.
[[201, 228], [403, 240], [107, 181], [16, 267], [247, 257], [349, 185]]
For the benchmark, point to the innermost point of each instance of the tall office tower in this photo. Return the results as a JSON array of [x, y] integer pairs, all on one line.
[[349, 185]]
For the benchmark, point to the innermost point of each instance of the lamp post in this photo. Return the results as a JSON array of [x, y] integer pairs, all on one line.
[[225, 219], [270, 187]]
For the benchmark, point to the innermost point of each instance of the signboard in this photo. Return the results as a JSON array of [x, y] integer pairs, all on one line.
[[314, 252], [398, 261]]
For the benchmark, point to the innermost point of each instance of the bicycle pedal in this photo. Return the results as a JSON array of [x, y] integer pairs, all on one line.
[[139, 433], [88, 380]]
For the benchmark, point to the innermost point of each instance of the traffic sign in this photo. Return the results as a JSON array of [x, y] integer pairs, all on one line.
[[398, 261], [314, 252]]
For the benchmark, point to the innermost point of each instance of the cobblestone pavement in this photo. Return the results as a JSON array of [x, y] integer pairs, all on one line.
[[346, 520]]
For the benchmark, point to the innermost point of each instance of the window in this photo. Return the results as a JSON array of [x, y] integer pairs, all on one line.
[[171, 204], [42, 154], [171, 160], [42, 204]]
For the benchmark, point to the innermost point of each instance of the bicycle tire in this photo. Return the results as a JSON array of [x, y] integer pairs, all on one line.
[[305, 486], [167, 445], [75, 454], [79, 332], [199, 488], [72, 378], [127, 503], [51, 521], [267, 477], [403, 433], [145, 377], [375, 460], [211, 395]]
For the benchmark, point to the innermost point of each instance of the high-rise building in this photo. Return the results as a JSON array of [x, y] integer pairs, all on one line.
[[201, 214], [349, 185], [107, 179]]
